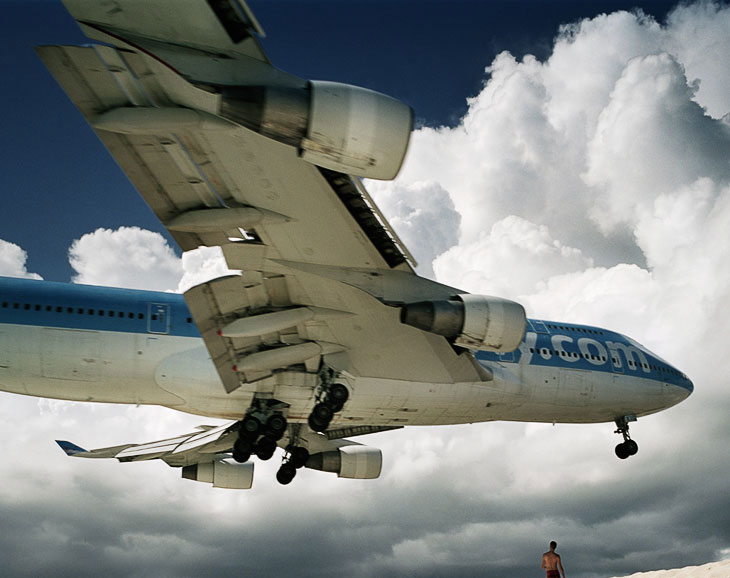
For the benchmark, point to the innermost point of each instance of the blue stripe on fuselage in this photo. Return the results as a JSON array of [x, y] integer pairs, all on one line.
[[70, 306], [64, 305], [571, 346]]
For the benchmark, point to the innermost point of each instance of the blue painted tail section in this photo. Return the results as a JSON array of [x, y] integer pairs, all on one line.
[[69, 448]]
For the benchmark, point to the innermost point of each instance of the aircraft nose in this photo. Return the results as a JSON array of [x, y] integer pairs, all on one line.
[[677, 392]]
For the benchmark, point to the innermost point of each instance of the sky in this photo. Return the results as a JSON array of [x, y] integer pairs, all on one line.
[[571, 155]]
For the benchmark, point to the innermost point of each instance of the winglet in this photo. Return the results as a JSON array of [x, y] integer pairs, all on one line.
[[69, 448]]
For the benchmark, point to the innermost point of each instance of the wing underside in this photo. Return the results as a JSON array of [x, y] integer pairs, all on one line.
[[305, 237]]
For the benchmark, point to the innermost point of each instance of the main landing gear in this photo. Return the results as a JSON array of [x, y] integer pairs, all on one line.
[[330, 400], [629, 447], [296, 457], [258, 433]]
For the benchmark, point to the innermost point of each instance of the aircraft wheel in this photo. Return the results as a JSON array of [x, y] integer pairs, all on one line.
[[323, 412], [250, 426], [265, 448], [286, 473], [316, 425], [631, 447], [242, 450], [338, 395], [276, 426], [298, 456], [622, 451]]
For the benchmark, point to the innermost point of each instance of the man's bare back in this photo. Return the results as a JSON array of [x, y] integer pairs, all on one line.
[[552, 564]]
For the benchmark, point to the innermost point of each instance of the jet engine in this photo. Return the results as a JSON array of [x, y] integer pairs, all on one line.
[[222, 473], [336, 126], [352, 461], [471, 321]]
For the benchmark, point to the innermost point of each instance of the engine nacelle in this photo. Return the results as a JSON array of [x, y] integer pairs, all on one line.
[[352, 461], [222, 473], [336, 126], [471, 321]]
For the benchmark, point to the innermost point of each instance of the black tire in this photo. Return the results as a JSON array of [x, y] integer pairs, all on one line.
[[265, 448], [316, 425], [276, 426], [631, 447], [286, 474], [622, 451], [250, 426], [298, 456], [338, 395], [242, 450], [323, 412]]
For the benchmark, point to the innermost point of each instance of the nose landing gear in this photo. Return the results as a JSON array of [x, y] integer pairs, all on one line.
[[629, 447]]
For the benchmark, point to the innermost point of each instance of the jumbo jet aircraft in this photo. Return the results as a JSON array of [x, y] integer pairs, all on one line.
[[327, 333]]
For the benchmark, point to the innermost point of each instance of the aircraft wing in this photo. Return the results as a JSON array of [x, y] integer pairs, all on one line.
[[221, 147], [205, 455], [179, 451]]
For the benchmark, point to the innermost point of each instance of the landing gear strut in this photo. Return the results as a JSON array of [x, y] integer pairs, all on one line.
[[330, 399], [629, 447]]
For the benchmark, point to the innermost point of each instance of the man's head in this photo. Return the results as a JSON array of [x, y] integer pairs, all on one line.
[[553, 545]]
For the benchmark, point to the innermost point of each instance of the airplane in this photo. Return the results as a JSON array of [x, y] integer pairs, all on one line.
[[326, 332]]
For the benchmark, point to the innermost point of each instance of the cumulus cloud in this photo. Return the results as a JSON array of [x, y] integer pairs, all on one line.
[[594, 187], [424, 216], [126, 257], [13, 261], [512, 260], [138, 259]]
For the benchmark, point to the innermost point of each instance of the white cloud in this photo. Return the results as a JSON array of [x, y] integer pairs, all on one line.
[[423, 215], [699, 37], [138, 259], [12, 261], [201, 265], [126, 257], [512, 260]]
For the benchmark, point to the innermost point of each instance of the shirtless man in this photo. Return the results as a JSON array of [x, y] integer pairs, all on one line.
[[551, 562]]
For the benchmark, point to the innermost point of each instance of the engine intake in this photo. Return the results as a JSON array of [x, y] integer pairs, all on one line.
[[471, 321], [336, 126], [222, 473]]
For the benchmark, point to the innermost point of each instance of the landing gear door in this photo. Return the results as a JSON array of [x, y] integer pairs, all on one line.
[[158, 318]]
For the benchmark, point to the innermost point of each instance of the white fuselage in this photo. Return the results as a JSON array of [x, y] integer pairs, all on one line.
[[52, 345]]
